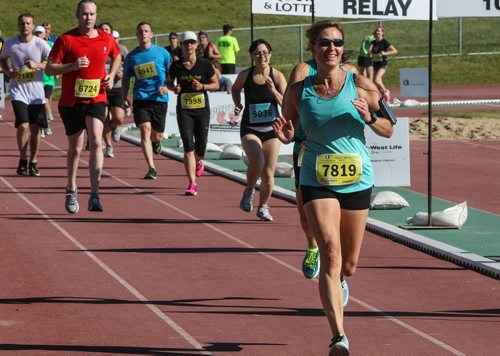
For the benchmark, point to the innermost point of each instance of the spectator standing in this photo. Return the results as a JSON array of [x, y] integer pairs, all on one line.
[[228, 47], [80, 56], [27, 55], [148, 64], [173, 48]]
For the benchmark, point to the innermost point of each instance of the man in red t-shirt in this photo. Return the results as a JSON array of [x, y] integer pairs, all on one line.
[[80, 56]]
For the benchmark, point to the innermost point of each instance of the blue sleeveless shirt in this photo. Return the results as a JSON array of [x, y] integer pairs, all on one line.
[[333, 125]]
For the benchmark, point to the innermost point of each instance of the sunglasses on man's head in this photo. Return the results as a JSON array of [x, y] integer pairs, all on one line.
[[325, 42]]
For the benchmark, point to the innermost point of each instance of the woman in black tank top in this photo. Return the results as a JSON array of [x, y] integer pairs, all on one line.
[[264, 88]]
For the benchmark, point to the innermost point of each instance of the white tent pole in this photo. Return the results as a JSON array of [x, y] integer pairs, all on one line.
[[429, 153]]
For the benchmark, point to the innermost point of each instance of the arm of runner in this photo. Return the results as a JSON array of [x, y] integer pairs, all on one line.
[[367, 105], [55, 68], [284, 125], [109, 79], [236, 91], [125, 89], [278, 88]]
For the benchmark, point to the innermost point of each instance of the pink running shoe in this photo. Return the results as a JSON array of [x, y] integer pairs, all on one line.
[[387, 95], [199, 168], [191, 189]]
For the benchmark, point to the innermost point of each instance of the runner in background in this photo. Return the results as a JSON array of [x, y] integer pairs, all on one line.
[[115, 111], [228, 47], [333, 107], [80, 56], [27, 55], [148, 64], [173, 48], [49, 81], [206, 48], [264, 89], [190, 78], [380, 48]]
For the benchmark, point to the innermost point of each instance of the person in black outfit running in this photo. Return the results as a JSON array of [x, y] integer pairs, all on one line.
[[264, 89], [195, 76]]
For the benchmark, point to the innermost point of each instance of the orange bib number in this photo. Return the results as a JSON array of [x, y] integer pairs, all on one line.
[[146, 70], [87, 88], [338, 169], [25, 75], [192, 100]]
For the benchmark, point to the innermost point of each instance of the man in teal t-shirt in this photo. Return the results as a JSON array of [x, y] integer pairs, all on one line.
[[228, 47]]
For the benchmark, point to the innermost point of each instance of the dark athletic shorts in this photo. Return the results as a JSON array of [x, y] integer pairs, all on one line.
[[48, 90], [228, 68], [350, 201], [263, 136], [115, 98], [151, 111], [364, 62], [193, 127], [73, 117], [32, 114]]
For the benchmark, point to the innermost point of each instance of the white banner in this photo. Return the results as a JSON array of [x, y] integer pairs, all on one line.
[[390, 156], [468, 8], [282, 7], [375, 9]]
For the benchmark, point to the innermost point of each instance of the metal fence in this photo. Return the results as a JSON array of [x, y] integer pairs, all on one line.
[[459, 36]]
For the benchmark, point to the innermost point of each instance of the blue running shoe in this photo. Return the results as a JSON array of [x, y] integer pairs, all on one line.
[[339, 346], [311, 263], [345, 290]]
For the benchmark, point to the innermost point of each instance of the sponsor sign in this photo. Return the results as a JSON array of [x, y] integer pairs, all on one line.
[[414, 82], [375, 9], [390, 156], [468, 8], [283, 7]]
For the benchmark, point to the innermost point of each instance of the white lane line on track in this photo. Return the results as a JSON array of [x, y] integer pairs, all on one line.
[[275, 259], [177, 328], [294, 269]]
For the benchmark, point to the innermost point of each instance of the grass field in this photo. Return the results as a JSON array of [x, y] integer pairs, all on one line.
[[410, 37]]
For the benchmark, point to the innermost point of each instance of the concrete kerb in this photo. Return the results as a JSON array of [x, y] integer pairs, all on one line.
[[435, 248]]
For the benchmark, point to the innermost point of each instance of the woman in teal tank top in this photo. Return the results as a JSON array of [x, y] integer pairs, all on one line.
[[336, 175]]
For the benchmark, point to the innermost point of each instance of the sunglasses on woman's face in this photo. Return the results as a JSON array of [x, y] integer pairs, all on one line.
[[325, 42]]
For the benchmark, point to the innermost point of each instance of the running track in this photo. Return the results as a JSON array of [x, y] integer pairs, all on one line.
[[160, 273]]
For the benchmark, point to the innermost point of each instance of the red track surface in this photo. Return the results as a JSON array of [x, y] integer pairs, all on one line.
[[161, 273]]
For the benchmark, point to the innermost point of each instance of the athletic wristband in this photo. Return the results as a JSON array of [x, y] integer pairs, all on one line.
[[374, 118]]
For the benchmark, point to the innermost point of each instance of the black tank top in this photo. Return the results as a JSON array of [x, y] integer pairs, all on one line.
[[261, 107]]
